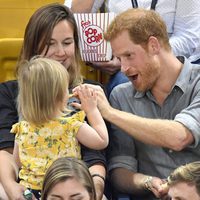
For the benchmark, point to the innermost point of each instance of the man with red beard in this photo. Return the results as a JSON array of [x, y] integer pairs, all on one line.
[[156, 116]]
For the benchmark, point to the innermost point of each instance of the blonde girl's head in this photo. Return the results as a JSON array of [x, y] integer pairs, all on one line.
[[43, 88]]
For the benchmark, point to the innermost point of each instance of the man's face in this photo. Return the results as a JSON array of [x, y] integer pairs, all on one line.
[[139, 65], [183, 191]]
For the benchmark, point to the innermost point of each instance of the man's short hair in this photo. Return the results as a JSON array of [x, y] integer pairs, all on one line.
[[140, 24]]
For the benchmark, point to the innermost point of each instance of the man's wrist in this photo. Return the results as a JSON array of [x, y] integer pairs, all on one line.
[[147, 183]]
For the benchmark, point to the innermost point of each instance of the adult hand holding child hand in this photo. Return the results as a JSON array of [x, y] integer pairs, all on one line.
[[83, 91]]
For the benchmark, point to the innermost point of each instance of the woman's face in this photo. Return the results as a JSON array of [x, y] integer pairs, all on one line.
[[62, 46], [70, 189]]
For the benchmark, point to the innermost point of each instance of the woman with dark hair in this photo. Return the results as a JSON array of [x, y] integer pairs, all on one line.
[[42, 37]]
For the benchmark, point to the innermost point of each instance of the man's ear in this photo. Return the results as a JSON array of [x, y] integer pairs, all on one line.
[[153, 45]]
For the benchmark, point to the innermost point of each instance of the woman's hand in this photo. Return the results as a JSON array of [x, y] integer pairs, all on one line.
[[109, 67], [16, 191]]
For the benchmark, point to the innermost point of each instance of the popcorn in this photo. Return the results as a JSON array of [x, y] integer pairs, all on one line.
[[91, 27]]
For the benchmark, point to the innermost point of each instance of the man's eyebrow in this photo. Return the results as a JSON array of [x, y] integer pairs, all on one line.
[[128, 52]]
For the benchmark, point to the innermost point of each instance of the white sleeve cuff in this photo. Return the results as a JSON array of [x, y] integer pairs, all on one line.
[[68, 3]]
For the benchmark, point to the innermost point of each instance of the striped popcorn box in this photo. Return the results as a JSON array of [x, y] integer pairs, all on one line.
[[91, 27]]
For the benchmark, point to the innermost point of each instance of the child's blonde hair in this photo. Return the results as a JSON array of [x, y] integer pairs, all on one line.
[[43, 84]]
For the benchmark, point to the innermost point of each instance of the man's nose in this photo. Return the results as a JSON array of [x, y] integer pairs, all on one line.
[[124, 66]]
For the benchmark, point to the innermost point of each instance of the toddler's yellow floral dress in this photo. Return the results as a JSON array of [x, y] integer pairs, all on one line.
[[40, 145]]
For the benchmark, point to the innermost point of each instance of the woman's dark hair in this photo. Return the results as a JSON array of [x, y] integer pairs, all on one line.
[[38, 35]]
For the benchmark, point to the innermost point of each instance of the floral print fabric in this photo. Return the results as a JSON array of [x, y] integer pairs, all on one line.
[[40, 145]]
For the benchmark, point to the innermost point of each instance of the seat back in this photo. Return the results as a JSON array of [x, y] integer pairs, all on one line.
[[9, 51], [14, 16]]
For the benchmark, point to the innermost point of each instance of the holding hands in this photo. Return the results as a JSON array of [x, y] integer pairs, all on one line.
[[91, 96], [87, 96]]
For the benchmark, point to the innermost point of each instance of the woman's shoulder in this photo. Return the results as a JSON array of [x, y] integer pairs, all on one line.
[[9, 86], [8, 91]]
